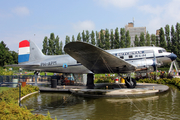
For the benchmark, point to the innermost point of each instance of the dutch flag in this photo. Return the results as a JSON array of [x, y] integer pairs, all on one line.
[[24, 51]]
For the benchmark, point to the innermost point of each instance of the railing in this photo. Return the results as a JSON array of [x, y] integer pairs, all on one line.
[[41, 79]]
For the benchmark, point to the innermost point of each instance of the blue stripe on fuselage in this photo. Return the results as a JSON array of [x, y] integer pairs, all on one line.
[[23, 58]]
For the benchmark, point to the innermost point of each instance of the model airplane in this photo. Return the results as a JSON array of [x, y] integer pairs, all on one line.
[[88, 59]]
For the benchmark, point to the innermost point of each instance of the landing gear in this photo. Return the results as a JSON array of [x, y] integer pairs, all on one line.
[[130, 82]]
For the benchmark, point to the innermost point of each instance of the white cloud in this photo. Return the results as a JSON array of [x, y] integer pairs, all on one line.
[[152, 10], [118, 3], [83, 25], [21, 11], [161, 15]]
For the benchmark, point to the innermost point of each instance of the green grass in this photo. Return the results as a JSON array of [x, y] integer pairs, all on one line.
[[4, 88]]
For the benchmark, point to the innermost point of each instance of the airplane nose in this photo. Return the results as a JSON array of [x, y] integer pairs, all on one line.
[[172, 56]]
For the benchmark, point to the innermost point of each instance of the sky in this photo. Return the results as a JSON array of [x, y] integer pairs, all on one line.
[[35, 19]]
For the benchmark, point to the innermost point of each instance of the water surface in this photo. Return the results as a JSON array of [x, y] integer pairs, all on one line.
[[66, 106]]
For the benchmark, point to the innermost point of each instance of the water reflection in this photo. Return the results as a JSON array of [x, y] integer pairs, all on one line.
[[66, 106]]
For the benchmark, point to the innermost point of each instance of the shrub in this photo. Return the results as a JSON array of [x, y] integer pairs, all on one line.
[[173, 81], [9, 108]]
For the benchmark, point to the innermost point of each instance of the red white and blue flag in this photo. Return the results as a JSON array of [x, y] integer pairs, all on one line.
[[24, 51]]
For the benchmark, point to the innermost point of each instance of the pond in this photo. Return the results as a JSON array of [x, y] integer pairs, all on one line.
[[66, 106]]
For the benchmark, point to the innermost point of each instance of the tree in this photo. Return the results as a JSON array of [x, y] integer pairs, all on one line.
[[14, 56], [79, 37], [97, 39], [142, 40], [73, 38], [51, 43], [45, 45], [153, 39], [107, 42], [157, 41], [92, 38], [57, 47], [162, 38], [148, 41], [174, 41], [178, 41], [128, 39], [123, 38], [116, 41], [102, 40], [87, 36], [136, 42], [83, 36], [67, 39], [61, 48], [112, 39], [167, 35], [6, 56]]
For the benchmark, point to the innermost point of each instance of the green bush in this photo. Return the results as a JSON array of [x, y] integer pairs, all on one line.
[[106, 79], [9, 108], [173, 81]]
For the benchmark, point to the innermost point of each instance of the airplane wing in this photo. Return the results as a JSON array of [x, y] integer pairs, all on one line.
[[96, 59]]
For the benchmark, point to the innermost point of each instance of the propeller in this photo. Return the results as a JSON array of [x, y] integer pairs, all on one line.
[[155, 63]]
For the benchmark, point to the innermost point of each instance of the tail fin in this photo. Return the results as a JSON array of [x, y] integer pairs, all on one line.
[[28, 51]]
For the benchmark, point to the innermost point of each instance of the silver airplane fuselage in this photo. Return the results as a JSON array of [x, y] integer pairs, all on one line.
[[140, 57]]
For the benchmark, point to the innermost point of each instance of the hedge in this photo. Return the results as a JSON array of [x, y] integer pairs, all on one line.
[[10, 110]]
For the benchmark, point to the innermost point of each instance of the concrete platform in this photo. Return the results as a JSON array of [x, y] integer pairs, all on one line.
[[111, 90]]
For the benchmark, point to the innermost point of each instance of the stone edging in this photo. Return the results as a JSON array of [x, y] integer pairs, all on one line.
[[27, 95]]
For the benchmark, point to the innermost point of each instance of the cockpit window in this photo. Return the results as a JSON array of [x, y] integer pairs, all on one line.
[[164, 50], [161, 51]]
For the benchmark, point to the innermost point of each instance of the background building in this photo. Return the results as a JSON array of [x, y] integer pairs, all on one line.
[[134, 31]]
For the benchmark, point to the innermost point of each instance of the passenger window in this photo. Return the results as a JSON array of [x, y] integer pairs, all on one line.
[[122, 57], [130, 56]]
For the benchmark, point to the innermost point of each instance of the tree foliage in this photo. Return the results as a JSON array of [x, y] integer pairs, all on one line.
[[83, 36], [112, 39], [107, 42], [123, 38], [162, 38], [167, 35], [102, 40], [93, 38], [128, 39], [87, 36], [142, 39], [116, 41], [148, 39], [79, 37], [51, 46], [73, 38], [6, 56], [153, 39], [45, 45], [136, 42]]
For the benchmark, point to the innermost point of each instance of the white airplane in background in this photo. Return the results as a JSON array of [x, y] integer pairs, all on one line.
[[88, 59]]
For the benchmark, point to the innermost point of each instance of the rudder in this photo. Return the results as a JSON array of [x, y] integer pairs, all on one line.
[[29, 52], [24, 51]]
